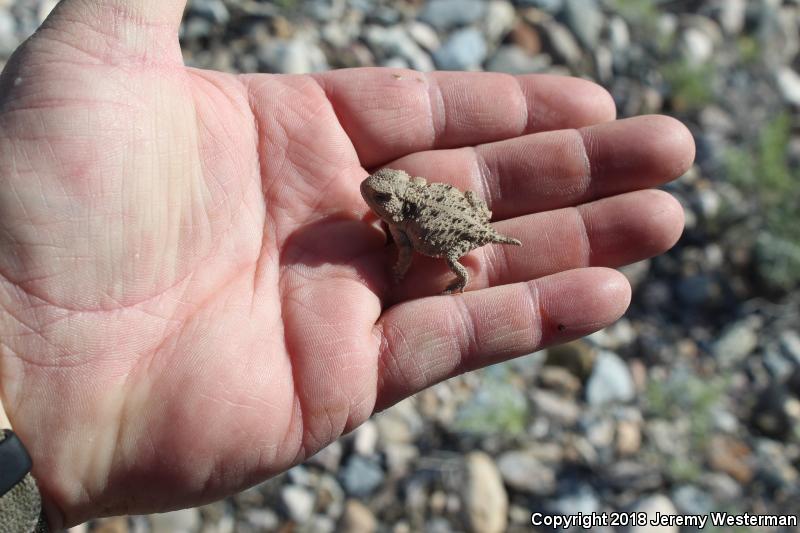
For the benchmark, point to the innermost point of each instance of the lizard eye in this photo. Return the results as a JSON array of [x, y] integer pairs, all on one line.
[[383, 196]]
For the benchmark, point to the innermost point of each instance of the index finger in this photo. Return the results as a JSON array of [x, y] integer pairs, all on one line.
[[389, 113]]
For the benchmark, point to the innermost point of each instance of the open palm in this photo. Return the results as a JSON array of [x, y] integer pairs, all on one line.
[[192, 296]]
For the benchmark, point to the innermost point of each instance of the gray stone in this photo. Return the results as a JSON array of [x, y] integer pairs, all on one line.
[[585, 19], [424, 35], [499, 20], [788, 81], [512, 59], [394, 41], [732, 15], [447, 14], [619, 35], [484, 496], [357, 518], [522, 471], [579, 498], [464, 50], [262, 519], [562, 43], [696, 46], [8, 37], [330, 496], [550, 6], [328, 457], [361, 476], [298, 503], [366, 438], [297, 56], [737, 342], [556, 407], [657, 503], [790, 344], [182, 521], [212, 10], [400, 424], [691, 499], [610, 381]]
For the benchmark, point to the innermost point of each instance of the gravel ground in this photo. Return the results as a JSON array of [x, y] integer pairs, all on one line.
[[689, 404]]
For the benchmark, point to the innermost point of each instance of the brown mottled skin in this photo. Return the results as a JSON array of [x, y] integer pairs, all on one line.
[[435, 219]]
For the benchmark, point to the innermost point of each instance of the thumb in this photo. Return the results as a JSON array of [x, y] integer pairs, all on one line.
[[116, 31]]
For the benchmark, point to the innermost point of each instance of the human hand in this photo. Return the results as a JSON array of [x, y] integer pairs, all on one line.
[[191, 298]]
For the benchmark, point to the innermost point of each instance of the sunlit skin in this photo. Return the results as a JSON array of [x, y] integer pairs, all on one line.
[[193, 296]]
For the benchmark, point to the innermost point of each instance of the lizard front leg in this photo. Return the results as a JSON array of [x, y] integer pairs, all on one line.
[[404, 253]]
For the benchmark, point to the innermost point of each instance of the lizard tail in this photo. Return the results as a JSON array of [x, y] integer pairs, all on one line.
[[502, 239]]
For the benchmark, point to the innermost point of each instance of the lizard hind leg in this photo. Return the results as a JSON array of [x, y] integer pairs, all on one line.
[[462, 276]]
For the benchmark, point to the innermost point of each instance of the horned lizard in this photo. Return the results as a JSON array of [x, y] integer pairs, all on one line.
[[435, 219]]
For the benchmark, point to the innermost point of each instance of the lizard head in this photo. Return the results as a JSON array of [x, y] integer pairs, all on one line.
[[384, 192]]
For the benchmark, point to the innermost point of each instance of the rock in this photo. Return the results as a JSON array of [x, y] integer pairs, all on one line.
[[361, 476], [330, 496], [790, 344], [652, 506], [45, 7], [384, 15], [610, 381], [324, 10], [512, 59], [563, 410], [394, 41], [298, 502], [696, 46], [562, 43], [628, 437], [522, 471], [300, 475], [8, 37], [698, 290], [722, 487], [328, 457], [731, 15], [357, 518], [775, 467], [262, 519], [737, 342], [788, 81], [400, 424], [484, 497], [446, 14], [117, 524], [297, 56], [182, 521], [424, 35], [619, 35], [731, 456], [691, 499], [633, 476], [585, 19], [527, 38], [499, 20], [366, 438], [577, 498], [770, 416], [464, 50], [212, 10], [399, 457], [577, 356], [550, 6], [559, 379]]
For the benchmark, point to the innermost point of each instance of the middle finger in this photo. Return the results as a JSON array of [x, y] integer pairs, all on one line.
[[555, 169]]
